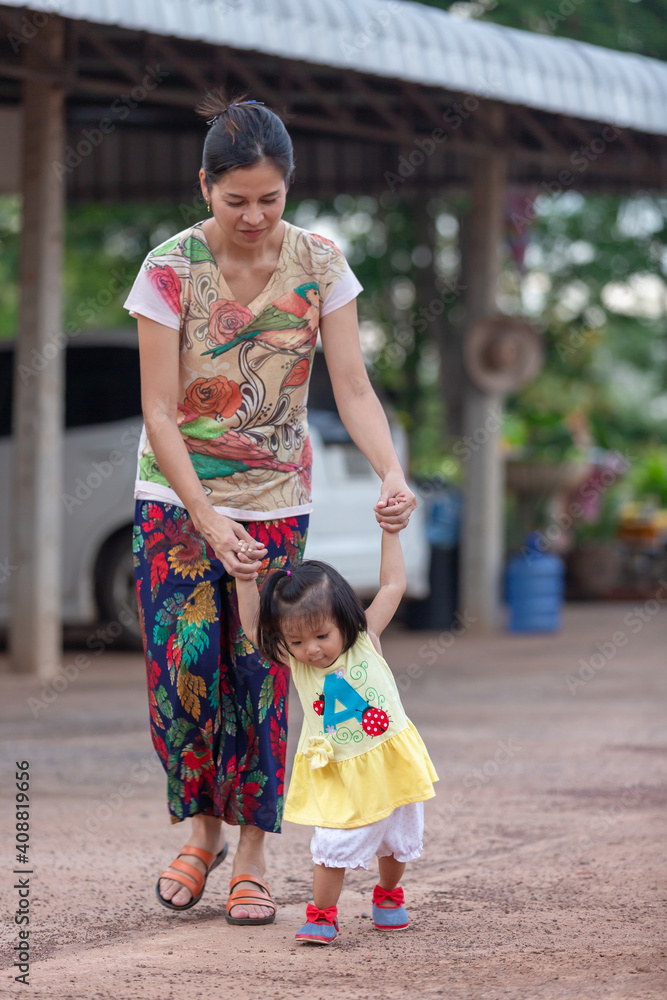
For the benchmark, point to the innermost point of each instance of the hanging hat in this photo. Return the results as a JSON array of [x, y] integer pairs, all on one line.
[[502, 353]]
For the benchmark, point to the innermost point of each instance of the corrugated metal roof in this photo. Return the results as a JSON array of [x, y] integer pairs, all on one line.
[[410, 41]]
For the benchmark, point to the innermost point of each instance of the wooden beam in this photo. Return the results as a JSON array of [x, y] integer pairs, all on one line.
[[35, 624], [355, 83], [245, 72], [190, 70], [537, 129], [327, 101], [124, 65], [483, 515]]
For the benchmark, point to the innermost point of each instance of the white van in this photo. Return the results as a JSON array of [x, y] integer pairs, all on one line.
[[103, 423]]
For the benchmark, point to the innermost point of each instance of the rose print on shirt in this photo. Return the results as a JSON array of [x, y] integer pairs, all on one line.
[[212, 396], [281, 326], [168, 284], [225, 319]]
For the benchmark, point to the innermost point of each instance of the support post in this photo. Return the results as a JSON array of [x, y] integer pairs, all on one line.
[[35, 629], [482, 541]]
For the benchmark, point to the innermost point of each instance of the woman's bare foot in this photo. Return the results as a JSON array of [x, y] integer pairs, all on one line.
[[249, 860], [206, 833]]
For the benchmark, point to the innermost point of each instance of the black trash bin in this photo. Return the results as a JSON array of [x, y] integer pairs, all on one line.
[[443, 523]]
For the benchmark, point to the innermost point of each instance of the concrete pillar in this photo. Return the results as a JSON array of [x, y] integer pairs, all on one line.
[[35, 629], [483, 518]]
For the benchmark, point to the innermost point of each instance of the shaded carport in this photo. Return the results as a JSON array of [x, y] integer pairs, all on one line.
[[379, 96]]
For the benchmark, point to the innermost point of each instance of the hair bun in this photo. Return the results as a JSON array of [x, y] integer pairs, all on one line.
[[217, 102]]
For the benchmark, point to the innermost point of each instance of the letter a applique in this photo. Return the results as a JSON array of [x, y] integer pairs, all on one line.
[[337, 689], [373, 721]]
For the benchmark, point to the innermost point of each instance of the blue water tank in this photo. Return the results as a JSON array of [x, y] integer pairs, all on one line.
[[534, 588]]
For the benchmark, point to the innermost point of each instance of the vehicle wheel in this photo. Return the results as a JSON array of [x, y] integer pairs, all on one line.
[[115, 590]]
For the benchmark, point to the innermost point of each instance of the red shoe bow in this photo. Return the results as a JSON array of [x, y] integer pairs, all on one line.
[[395, 895], [314, 915]]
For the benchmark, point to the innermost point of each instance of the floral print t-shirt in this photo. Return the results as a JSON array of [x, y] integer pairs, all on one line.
[[244, 370]]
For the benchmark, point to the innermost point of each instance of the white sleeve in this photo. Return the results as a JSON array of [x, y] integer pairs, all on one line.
[[145, 299], [342, 291]]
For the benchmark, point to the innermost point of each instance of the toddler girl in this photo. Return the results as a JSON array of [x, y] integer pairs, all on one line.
[[361, 771]]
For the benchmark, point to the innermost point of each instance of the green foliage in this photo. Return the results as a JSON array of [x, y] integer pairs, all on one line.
[[648, 475], [630, 25], [104, 248], [598, 264]]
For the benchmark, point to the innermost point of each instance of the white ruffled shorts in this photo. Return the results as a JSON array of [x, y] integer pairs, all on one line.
[[399, 834]]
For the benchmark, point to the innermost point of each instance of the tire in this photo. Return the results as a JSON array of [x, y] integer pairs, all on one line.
[[115, 590]]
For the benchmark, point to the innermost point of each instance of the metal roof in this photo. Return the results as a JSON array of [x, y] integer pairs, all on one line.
[[410, 41]]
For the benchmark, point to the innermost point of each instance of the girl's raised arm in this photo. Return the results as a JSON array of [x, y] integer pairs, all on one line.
[[392, 587], [248, 598]]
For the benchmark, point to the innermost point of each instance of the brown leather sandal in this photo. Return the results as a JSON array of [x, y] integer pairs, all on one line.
[[189, 876], [251, 897]]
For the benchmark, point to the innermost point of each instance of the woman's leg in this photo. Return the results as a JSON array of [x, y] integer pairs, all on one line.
[[252, 759], [179, 607]]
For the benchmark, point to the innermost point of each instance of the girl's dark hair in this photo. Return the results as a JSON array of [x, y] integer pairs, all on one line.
[[310, 592], [241, 135]]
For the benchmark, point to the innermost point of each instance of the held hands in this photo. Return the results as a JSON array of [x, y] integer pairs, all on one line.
[[238, 552], [396, 503]]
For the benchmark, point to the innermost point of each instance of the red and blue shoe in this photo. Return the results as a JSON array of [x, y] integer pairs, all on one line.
[[389, 918], [321, 926]]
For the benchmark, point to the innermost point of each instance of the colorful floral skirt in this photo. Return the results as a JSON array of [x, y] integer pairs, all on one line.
[[218, 709]]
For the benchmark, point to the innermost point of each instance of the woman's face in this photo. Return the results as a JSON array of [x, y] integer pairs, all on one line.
[[247, 203]]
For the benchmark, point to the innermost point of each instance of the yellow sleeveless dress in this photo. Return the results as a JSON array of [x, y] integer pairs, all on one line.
[[359, 757]]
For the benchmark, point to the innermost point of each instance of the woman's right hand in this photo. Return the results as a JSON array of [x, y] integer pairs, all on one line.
[[228, 539]]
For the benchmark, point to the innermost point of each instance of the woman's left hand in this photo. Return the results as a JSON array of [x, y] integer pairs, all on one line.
[[396, 503]]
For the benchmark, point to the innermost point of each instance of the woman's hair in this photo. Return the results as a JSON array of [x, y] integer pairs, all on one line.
[[242, 134], [309, 593]]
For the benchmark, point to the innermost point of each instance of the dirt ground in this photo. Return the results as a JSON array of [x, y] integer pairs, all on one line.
[[543, 874]]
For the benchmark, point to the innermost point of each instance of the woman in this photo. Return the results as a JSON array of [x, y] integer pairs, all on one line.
[[228, 313]]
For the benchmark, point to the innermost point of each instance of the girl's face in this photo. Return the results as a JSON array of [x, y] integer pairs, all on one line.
[[247, 203], [316, 646]]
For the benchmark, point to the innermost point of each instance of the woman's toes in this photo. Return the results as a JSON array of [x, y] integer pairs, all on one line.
[[174, 892], [182, 896], [243, 911]]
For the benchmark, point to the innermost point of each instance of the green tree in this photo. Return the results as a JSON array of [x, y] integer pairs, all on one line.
[[629, 25]]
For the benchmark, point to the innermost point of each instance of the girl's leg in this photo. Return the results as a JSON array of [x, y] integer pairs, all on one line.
[[391, 873], [321, 926], [327, 886]]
